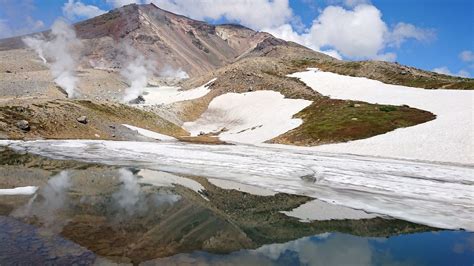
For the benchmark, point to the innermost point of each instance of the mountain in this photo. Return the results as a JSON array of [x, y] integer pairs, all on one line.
[[170, 40], [177, 42]]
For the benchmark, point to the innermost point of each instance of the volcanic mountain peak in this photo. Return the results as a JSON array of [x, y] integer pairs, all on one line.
[[175, 40], [170, 40]]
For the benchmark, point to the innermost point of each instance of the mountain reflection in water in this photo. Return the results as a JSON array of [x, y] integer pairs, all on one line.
[[87, 213]]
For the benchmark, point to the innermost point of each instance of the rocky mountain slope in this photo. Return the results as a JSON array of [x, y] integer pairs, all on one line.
[[170, 40]]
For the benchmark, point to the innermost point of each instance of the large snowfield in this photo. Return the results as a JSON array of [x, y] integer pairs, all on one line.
[[434, 194], [448, 138], [251, 117]]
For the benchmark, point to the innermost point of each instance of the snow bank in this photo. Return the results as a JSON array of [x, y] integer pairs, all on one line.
[[163, 179], [448, 138], [29, 190], [252, 117], [439, 195], [149, 134], [167, 95], [317, 210]]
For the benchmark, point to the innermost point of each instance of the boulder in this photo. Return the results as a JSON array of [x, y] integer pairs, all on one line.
[[82, 119], [138, 100], [23, 125]]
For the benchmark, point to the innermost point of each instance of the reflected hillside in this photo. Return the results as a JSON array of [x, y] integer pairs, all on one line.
[[122, 216]]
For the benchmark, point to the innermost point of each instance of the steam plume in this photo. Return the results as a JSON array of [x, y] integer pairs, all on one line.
[[46, 204], [137, 71], [36, 44], [131, 199], [61, 52], [169, 72], [129, 194]]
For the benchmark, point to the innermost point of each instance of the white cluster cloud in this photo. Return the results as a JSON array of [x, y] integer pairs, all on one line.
[[256, 14], [445, 70], [16, 19], [348, 3], [76, 10], [403, 31], [358, 33], [29, 25], [467, 56], [120, 3]]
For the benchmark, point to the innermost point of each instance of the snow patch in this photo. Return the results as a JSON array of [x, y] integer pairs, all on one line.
[[163, 179], [29, 190], [322, 211], [168, 95], [252, 117], [149, 133], [448, 138]]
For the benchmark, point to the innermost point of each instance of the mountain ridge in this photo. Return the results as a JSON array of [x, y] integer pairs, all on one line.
[[172, 40], [178, 42]]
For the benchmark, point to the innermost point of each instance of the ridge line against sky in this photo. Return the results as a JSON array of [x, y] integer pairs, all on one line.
[[430, 34]]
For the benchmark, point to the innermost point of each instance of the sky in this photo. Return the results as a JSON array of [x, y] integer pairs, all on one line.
[[435, 35]]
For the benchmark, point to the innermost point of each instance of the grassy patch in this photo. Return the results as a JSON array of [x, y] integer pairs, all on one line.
[[388, 108], [329, 121]]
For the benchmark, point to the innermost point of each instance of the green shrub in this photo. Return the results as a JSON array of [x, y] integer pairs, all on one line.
[[388, 108]]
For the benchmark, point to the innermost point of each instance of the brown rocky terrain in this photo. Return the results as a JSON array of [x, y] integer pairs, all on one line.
[[60, 119]]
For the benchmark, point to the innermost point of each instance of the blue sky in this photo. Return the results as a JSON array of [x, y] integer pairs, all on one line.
[[429, 34]]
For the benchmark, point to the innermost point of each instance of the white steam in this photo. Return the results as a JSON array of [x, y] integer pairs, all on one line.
[[169, 72], [48, 202], [61, 51], [131, 199], [36, 44], [136, 71], [129, 194]]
